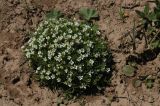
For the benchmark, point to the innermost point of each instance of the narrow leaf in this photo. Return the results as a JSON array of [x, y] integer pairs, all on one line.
[[141, 14], [146, 9], [88, 14], [54, 14]]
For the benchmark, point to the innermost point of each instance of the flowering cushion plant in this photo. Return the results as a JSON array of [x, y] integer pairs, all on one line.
[[69, 54]]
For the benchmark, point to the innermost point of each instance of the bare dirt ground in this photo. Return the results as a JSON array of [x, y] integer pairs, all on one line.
[[20, 17]]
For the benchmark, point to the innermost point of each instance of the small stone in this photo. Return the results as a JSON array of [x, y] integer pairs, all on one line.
[[12, 31], [151, 100], [15, 80], [118, 60], [11, 28], [141, 97], [158, 74], [149, 77], [6, 30], [1, 96], [45, 8], [133, 93], [21, 20], [37, 99], [66, 102], [14, 92], [18, 10]]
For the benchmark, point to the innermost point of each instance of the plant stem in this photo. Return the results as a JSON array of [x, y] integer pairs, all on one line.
[[145, 38], [134, 35]]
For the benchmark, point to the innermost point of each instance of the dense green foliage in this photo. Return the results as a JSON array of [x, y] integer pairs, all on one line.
[[69, 54], [151, 24]]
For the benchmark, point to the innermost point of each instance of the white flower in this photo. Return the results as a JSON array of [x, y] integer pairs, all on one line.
[[39, 52], [38, 68], [84, 30], [75, 67], [58, 80], [45, 31], [91, 61], [53, 76], [82, 50], [48, 73], [28, 55], [90, 73], [83, 86], [42, 76], [90, 43], [69, 84], [76, 24], [80, 77], [53, 35], [64, 34], [66, 70], [108, 70], [49, 65], [47, 77], [69, 36], [98, 32], [70, 31], [36, 71], [45, 59], [74, 37], [69, 79], [43, 71], [48, 37], [87, 34], [79, 33], [69, 57], [56, 28], [71, 62], [96, 55]]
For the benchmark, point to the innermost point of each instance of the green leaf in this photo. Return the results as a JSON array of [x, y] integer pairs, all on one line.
[[150, 30], [122, 13], [141, 14], [152, 16], [146, 9], [149, 83], [88, 13], [128, 70], [54, 14], [155, 44], [137, 83]]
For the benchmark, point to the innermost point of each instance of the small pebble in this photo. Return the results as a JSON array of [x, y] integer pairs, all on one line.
[[133, 93], [141, 97], [151, 100], [158, 74]]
